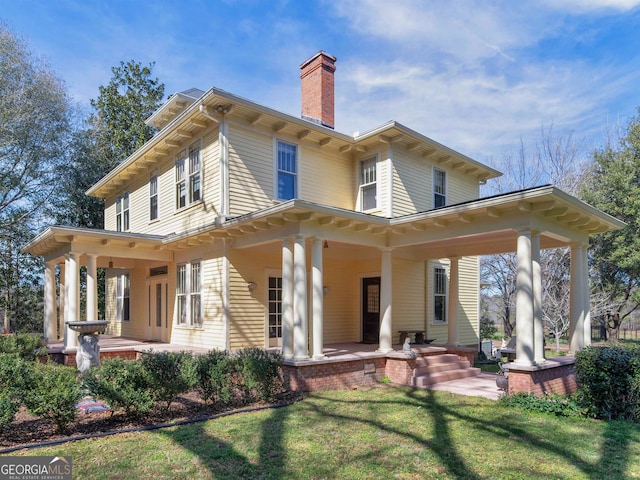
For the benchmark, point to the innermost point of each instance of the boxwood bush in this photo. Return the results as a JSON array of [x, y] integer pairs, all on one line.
[[609, 381], [215, 372], [122, 384], [261, 374], [168, 374], [26, 345]]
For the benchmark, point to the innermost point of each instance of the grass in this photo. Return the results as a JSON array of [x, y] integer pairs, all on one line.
[[392, 432]]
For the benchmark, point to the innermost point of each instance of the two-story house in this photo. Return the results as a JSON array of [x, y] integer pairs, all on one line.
[[238, 225]]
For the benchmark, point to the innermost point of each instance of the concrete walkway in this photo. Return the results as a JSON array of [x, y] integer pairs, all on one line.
[[484, 385]]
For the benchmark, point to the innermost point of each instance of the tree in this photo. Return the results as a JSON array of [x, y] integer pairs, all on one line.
[[612, 184], [557, 160], [34, 134]]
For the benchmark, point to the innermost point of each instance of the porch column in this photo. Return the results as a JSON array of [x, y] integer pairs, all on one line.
[[538, 324], [287, 299], [72, 284], [524, 301], [386, 328], [92, 288], [300, 325], [50, 317], [452, 306], [62, 297], [586, 288], [317, 299], [576, 300]]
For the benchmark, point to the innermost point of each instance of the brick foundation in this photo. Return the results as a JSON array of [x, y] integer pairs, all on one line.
[[334, 375], [556, 376]]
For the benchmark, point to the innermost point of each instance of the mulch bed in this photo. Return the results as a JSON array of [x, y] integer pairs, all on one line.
[[27, 429]]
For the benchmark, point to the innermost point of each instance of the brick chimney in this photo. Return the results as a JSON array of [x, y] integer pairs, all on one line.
[[317, 89]]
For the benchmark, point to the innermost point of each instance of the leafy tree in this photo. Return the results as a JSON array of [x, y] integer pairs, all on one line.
[[612, 184], [34, 134]]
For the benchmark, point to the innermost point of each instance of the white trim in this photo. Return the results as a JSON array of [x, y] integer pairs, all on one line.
[[359, 184], [430, 286], [361, 277], [223, 141], [225, 296], [389, 205]]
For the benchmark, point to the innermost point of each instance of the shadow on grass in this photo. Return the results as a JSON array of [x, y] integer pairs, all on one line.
[[223, 460]]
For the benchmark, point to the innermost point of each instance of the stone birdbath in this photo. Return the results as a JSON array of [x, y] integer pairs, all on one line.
[[88, 354]]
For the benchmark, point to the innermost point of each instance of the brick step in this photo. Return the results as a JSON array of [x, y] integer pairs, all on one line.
[[437, 359], [438, 377], [441, 367]]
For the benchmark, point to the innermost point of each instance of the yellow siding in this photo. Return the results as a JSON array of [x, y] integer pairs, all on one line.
[[250, 170], [326, 179], [169, 220], [342, 302], [408, 296], [461, 187], [468, 328], [384, 170], [411, 184], [211, 334]]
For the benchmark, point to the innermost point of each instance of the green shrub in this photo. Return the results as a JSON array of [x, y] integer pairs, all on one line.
[[609, 381], [553, 404], [215, 372], [51, 392], [26, 345], [8, 409], [13, 372], [168, 374], [122, 384], [261, 374]]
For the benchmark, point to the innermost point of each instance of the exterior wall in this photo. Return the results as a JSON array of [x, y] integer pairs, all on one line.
[[342, 302], [412, 184], [408, 310], [460, 187], [468, 298], [169, 220]]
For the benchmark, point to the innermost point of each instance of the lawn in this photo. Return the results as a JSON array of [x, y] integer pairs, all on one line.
[[389, 432]]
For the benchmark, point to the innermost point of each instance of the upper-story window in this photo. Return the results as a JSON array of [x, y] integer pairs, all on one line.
[[368, 185], [153, 197], [122, 213], [188, 173], [287, 170], [439, 188]]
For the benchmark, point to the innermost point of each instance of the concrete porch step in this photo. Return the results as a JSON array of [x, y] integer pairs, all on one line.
[[441, 367], [445, 376]]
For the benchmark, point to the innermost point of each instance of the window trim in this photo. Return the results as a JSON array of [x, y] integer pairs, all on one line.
[[184, 157], [445, 187], [276, 170], [362, 186], [154, 195], [435, 267], [123, 300], [123, 215], [185, 295]]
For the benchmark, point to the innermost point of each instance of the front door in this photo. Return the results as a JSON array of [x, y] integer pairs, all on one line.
[[158, 290], [371, 310]]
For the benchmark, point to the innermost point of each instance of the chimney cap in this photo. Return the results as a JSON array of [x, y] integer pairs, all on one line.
[[313, 57]]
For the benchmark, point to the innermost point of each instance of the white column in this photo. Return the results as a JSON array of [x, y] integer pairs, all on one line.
[[576, 300], [452, 305], [386, 327], [92, 288], [72, 308], [317, 299], [300, 320], [538, 324], [50, 317], [586, 296], [62, 297], [287, 299], [524, 301]]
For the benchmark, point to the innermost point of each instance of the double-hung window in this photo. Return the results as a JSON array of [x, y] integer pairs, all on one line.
[[188, 177], [153, 198], [439, 188], [368, 187], [287, 170], [275, 311], [439, 294], [123, 286], [122, 213], [189, 294]]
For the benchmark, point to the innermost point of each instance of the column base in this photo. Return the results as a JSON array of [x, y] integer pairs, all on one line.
[[384, 350], [319, 357]]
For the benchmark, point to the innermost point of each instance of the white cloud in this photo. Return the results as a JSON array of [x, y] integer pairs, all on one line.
[[582, 6]]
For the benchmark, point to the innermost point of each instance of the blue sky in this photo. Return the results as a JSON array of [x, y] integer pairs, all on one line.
[[475, 75]]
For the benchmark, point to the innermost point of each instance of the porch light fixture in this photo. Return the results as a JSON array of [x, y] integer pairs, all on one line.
[[325, 290], [325, 244], [251, 286]]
